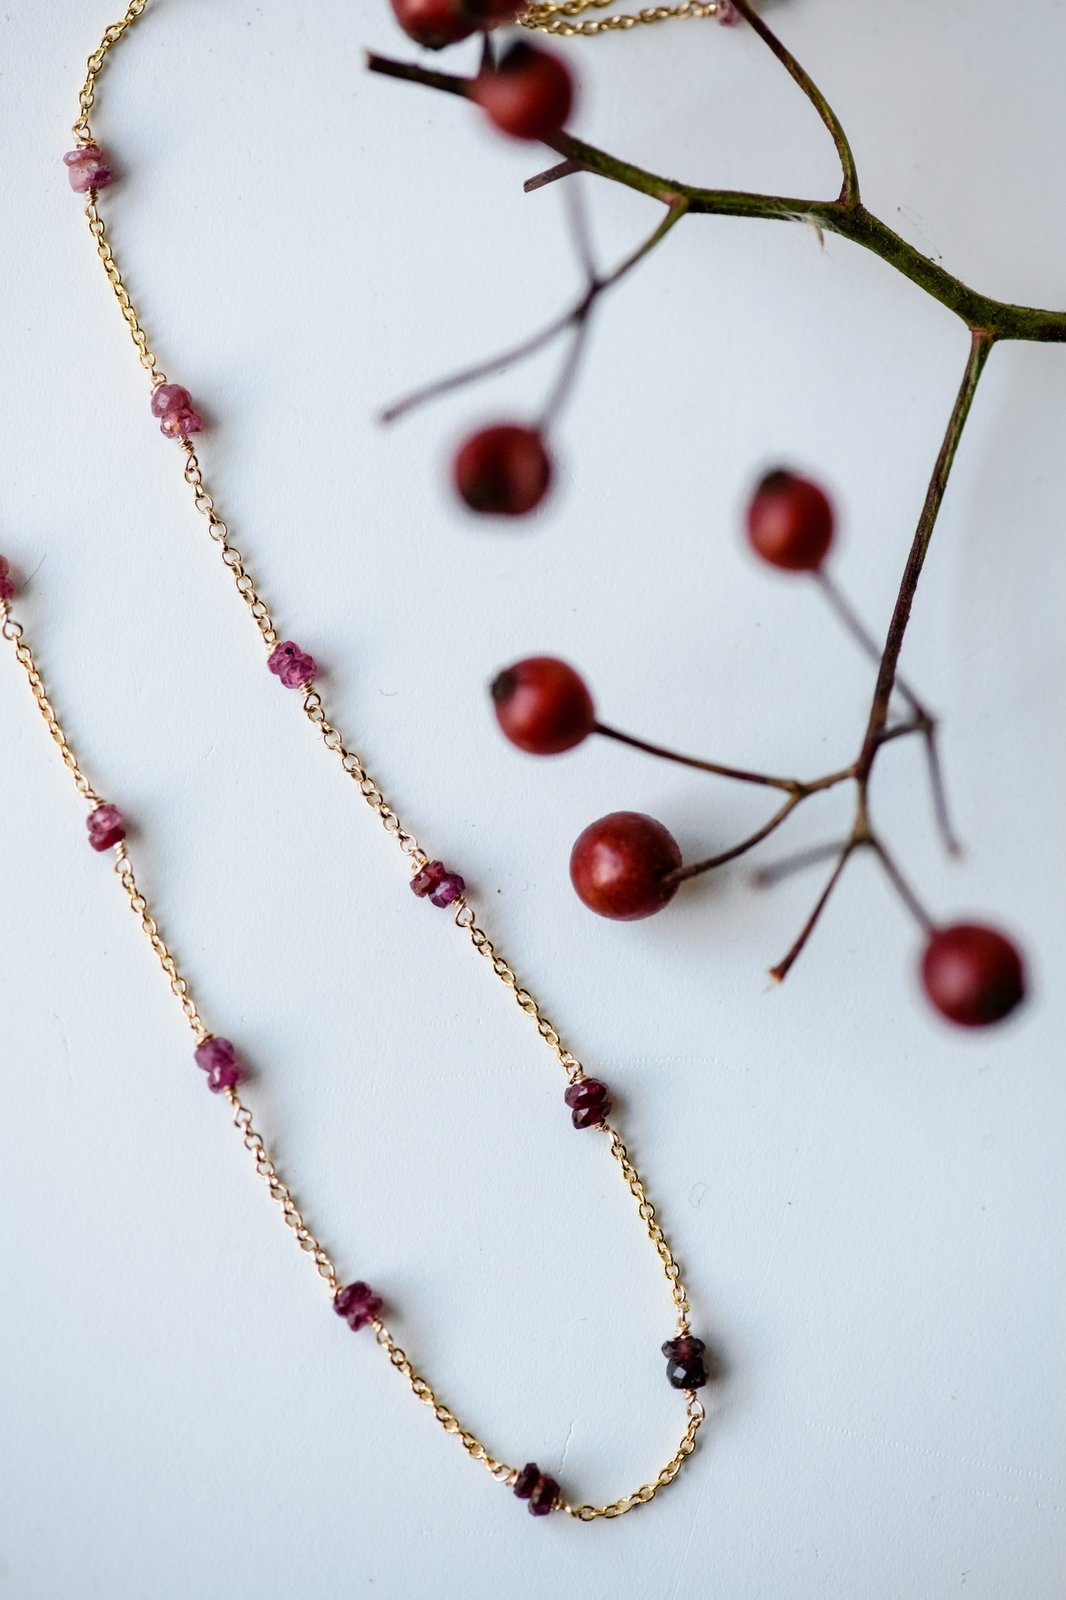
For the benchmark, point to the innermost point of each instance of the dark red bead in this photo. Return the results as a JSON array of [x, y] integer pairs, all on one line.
[[543, 706], [590, 1103], [973, 974], [529, 95], [685, 1367], [357, 1304], [427, 878], [621, 866], [790, 522], [527, 1480], [545, 1497], [503, 470], [7, 582]]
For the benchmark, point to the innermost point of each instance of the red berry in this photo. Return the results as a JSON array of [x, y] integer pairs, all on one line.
[[434, 23], [529, 95], [543, 706], [790, 522], [972, 974], [620, 866], [504, 469], [491, 13]]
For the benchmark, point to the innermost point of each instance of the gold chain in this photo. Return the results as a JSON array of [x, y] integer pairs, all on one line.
[[555, 16], [546, 16]]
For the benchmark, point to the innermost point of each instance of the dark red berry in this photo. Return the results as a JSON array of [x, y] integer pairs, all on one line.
[[491, 13], [543, 706], [790, 522], [972, 974], [620, 866], [504, 469], [529, 95], [435, 23]]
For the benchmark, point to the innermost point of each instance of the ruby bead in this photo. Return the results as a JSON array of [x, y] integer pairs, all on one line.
[[589, 1102], [527, 1480], [107, 827], [545, 1497], [790, 522], [7, 582], [88, 168], [292, 665], [357, 1304], [621, 866], [538, 1488], [435, 882], [503, 470], [685, 1367], [543, 706], [218, 1058], [973, 974], [172, 404], [528, 95]]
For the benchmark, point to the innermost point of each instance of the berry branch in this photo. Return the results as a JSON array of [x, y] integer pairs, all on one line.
[[627, 865]]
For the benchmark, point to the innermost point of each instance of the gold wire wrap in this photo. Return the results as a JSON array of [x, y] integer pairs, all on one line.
[[546, 16]]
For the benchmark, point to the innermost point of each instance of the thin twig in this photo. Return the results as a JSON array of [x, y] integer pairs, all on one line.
[[789, 785], [766, 877], [902, 887], [578, 313], [697, 868], [849, 193], [781, 971]]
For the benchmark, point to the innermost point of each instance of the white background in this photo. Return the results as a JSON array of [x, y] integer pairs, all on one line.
[[868, 1206]]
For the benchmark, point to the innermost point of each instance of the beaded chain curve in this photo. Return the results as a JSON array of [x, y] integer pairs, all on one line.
[[588, 1100]]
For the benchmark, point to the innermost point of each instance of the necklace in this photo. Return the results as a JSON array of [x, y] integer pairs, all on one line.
[[587, 1098]]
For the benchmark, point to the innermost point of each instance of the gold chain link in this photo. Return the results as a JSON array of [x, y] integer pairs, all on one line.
[[551, 16], [554, 16]]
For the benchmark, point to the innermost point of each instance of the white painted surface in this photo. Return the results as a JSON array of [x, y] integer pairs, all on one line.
[[868, 1207]]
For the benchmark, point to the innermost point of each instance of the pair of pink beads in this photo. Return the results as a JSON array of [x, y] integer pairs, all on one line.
[[435, 883], [173, 405], [218, 1058], [357, 1304]]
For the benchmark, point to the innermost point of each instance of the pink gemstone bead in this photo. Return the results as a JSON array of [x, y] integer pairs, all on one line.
[[107, 827], [172, 404], [727, 13], [292, 665], [88, 168], [357, 1304], [7, 582], [442, 887], [218, 1059]]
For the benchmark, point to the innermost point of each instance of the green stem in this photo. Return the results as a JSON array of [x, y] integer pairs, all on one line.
[[846, 217]]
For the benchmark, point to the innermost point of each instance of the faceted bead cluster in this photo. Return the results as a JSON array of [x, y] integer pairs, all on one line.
[[685, 1366], [218, 1059], [538, 1488], [357, 1304], [88, 168], [107, 827], [173, 405], [292, 665], [435, 882], [589, 1102], [7, 582]]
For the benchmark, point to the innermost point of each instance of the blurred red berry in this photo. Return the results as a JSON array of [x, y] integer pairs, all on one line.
[[972, 974], [543, 706], [528, 95], [620, 866], [790, 522], [504, 469], [491, 13], [435, 23]]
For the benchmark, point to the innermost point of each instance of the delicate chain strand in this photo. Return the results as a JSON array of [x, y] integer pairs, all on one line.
[[553, 16], [549, 16]]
